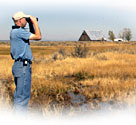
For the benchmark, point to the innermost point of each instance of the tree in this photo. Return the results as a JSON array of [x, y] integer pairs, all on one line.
[[122, 35], [111, 35], [127, 34]]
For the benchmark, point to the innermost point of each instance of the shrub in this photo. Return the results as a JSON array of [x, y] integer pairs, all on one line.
[[80, 51]]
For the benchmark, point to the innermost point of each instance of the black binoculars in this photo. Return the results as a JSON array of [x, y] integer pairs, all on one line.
[[29, 20]]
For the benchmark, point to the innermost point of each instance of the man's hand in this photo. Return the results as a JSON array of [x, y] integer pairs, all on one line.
[[33, 19]]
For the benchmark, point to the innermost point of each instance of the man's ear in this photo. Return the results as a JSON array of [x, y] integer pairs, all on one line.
[[19, 21]]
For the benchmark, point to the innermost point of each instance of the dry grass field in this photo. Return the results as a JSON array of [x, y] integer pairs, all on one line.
[[75, 77]]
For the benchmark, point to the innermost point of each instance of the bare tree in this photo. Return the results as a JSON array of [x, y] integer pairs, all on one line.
[[122, 35], [111, 35], [127, 34]]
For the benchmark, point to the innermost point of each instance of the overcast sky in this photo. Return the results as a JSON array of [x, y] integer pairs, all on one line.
[[66, 19]]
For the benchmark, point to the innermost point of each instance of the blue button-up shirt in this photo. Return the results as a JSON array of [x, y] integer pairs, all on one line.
[[19, 44]]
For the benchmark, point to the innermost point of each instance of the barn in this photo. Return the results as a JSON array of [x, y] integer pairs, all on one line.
[[92, 36]]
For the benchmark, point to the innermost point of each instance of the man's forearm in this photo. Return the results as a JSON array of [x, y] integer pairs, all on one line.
[[37, 30]]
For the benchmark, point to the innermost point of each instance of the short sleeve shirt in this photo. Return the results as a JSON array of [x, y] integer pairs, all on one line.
[[19, 44]]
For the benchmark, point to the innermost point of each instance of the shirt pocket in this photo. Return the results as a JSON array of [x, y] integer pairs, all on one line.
[[17, 69]]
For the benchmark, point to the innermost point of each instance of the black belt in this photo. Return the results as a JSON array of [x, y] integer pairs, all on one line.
[[24, 60]]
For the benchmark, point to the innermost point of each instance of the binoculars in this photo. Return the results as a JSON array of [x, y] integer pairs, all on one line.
[[29, 20], [31, 27]]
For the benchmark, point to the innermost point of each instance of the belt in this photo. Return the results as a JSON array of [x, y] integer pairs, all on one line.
[[24, 60]]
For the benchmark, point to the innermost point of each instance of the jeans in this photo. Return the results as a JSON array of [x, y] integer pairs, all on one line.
[[22, 78]]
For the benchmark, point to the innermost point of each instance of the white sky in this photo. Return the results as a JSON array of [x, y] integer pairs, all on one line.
[[121, 3], [65, 19]]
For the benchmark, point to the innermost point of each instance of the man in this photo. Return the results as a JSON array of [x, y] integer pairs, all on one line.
[[21, 53]]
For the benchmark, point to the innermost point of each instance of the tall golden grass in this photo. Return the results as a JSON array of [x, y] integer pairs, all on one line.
[[106, 75]]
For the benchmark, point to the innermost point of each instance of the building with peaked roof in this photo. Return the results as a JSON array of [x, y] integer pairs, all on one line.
[[92, 36]]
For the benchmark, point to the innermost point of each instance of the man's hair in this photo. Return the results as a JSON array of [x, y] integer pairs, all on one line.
[[14, 19]]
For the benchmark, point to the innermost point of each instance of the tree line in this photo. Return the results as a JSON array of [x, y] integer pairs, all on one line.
[[126, 35]]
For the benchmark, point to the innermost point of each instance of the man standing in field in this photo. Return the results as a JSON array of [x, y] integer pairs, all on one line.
[[21, 53]]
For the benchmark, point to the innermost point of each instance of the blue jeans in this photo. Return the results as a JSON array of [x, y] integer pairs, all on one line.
[[22, 78]]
